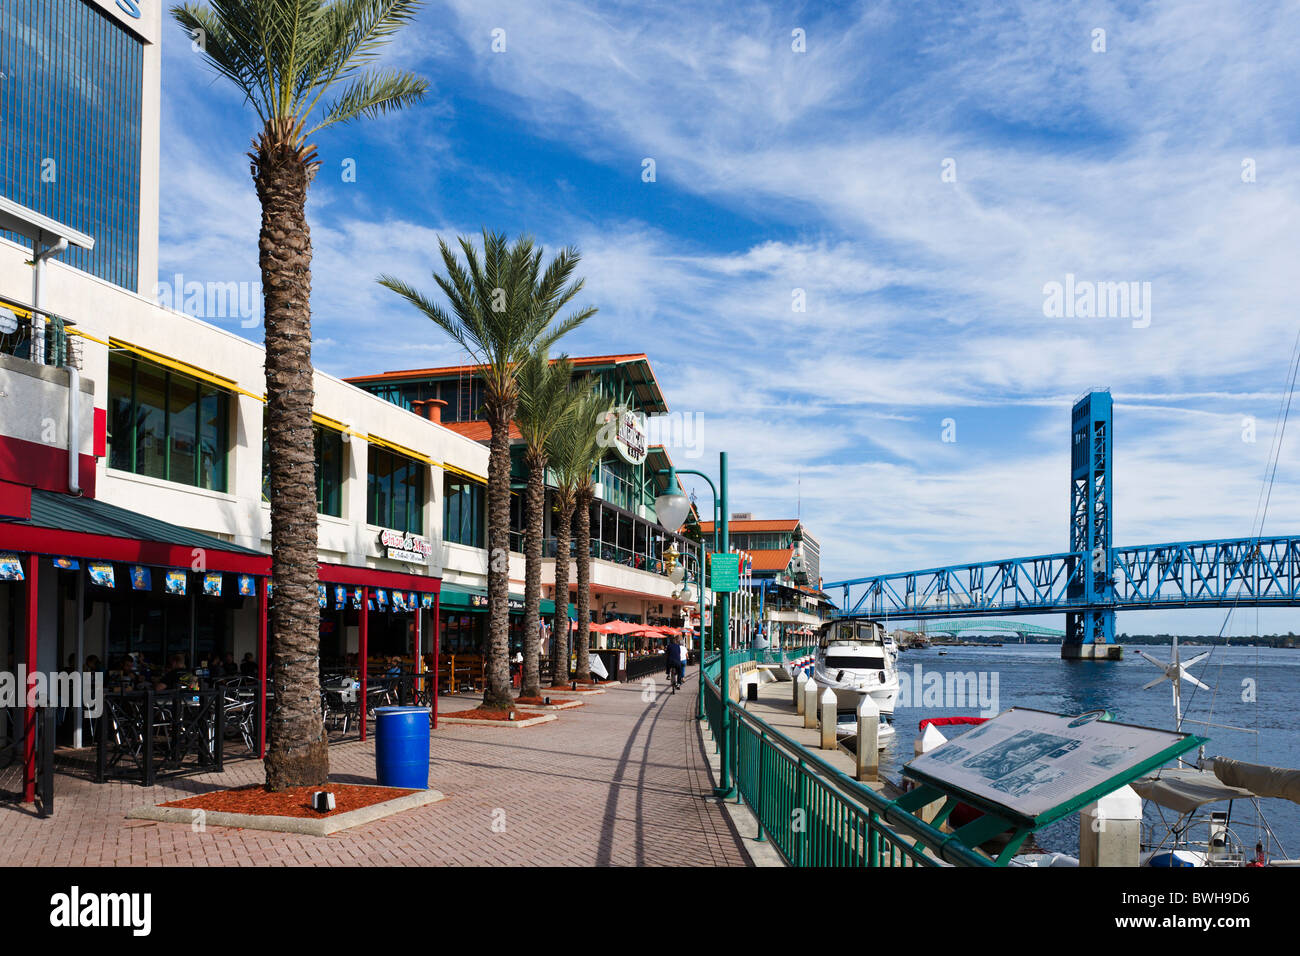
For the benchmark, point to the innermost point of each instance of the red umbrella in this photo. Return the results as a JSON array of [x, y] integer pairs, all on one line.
[[623, 627]]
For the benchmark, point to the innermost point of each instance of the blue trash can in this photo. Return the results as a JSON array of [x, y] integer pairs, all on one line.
[[402, 747]]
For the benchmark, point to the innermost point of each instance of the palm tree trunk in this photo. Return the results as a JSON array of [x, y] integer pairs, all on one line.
[[534, 502], [496, 657], [583, 636], [299, 751], [560, 636]]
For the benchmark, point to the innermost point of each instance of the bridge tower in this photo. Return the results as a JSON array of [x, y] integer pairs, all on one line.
[[1090, 635]]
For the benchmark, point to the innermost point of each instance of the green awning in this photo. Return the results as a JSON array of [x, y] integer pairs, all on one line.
[[91, 516], [475, 599]]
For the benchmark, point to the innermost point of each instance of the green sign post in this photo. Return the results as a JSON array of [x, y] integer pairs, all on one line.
[[725, 572]]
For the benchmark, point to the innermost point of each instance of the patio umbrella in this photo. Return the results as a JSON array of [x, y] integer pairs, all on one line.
[[624, 627]]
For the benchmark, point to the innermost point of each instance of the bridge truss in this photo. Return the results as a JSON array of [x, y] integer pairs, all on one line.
[[1092, 580], [1248, 572]]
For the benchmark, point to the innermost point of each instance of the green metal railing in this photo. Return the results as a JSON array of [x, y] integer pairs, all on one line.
[[813, 813]]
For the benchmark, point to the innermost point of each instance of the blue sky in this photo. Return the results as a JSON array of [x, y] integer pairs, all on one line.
[[820, 171]]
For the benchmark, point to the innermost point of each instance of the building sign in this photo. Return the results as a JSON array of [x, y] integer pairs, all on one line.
[[481, 600], [405, 547], [138, 16], [724, 572], [630, 436]]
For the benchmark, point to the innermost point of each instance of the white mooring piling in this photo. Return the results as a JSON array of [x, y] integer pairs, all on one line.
[[829, 719], [1110, 830], [867, 764], [799, 680], [810, 704]]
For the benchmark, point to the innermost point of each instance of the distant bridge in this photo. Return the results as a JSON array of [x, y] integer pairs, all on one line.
[[991, 627], [1092, 580]]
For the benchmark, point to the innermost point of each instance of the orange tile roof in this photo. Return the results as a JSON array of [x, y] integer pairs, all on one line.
[[756, 524], [777, 560], [479, 431], [578, 362]]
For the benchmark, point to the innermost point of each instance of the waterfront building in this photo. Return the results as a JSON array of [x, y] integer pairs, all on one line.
[[629, 578], [782, 602], [133, 519]]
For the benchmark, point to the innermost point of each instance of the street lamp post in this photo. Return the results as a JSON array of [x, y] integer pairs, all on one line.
[[671, 508]]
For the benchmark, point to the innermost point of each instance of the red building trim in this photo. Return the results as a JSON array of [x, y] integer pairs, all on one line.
[[56, 542], [15, 501], [43, 466], [378, 578], [79, 544]]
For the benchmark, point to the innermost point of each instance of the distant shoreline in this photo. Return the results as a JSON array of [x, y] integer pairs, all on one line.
[[1284, 641]]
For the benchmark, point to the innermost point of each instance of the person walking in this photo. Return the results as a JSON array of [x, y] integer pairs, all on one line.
[[676, 663]]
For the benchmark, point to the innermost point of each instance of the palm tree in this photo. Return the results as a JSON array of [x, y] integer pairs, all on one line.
[[546, 402], [574, 447], [285, 56], [502, 309], [586, 495]]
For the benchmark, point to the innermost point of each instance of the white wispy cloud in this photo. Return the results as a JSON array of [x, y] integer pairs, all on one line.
[[923, 299]]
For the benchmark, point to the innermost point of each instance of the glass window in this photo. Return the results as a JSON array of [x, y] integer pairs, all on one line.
[[183, 419], [150, 421], [212, 439], [395, 491], [463, 511], [329, 472], [166, 425], [121, 413]]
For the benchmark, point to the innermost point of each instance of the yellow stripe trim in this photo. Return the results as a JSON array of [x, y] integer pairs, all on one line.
[[331, 423], [184, 367], [84, 335], [463, 473], [400, 449]]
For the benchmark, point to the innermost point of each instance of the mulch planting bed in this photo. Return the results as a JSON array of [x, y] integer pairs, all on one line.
[[484, 713], [541, 701], [295, 802]]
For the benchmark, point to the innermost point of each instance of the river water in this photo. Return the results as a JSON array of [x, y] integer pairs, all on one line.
[[1250, 687]]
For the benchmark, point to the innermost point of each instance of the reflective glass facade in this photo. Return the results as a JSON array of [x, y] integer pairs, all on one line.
[[70, 114]]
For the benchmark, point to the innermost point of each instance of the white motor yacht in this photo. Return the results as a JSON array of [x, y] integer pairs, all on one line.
[[852, 659]]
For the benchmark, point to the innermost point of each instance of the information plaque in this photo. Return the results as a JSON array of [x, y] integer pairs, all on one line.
[[1035, 766]]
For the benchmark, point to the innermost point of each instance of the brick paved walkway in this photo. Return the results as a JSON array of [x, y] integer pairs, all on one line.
[[619, 782]]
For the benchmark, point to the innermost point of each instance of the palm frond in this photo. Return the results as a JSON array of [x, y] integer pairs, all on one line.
[[546, 401], [501, 305], [373, 94], [286, 55], [574, 448]]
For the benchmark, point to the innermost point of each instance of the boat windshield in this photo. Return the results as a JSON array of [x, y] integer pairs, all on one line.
[[845, 662]]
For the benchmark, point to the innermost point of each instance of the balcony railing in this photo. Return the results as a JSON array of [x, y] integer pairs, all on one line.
[[605, 551], [61, 349]]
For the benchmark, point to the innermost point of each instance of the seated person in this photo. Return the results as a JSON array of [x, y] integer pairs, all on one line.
[[177, 675], [249, 667]]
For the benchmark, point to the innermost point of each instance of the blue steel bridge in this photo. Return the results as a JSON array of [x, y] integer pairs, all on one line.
[[1092, 580]]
